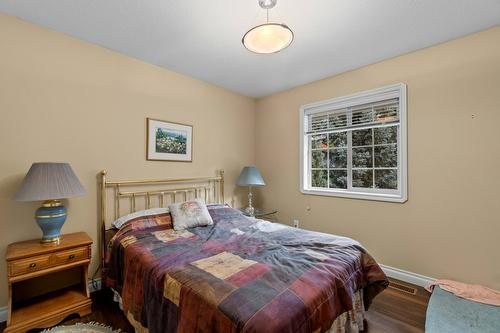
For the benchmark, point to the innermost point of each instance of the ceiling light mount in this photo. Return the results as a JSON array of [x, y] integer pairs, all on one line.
[[269, 37], [267, 4]]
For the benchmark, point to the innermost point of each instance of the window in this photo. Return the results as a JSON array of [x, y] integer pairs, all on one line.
[[355, 146]]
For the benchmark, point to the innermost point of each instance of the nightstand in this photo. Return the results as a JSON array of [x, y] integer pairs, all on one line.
[[263, 214], [31, 264]]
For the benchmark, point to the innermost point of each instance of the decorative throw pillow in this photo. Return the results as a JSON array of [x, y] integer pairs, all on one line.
[[190, 214]]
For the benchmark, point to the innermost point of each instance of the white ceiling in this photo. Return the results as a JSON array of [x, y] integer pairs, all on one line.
[[202, 38]]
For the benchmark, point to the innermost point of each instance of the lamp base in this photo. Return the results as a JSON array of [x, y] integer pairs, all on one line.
[[50, 218], [54, 240], [250, 211]]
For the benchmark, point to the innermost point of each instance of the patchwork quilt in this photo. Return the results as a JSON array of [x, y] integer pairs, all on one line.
[[238, 275]]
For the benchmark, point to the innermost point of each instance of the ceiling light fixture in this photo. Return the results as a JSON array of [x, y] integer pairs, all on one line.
[[268, 37]]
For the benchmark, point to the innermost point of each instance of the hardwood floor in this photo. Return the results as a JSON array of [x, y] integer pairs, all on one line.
[[391, 311], [396, 311]]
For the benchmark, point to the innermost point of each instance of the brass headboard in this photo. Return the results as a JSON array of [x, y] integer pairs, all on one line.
[[154, 193]]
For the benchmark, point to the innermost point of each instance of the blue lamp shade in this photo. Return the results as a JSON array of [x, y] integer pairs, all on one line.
[[250, 176], [50, 182]]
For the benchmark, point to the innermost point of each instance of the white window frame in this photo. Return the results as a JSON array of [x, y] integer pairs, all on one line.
[[371, 96]]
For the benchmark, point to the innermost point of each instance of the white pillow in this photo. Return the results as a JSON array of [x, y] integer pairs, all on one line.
[[190, 214], [118, 224]]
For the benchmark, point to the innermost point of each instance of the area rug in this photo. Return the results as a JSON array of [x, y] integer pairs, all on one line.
[[92, 327]]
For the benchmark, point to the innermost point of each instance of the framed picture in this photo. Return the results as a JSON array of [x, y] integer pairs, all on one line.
[[167, 141]]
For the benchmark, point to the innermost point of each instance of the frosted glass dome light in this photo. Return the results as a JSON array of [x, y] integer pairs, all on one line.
[[268, 37]]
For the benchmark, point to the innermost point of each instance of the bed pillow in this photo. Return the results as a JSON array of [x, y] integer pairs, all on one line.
[[190, 214], [118, 224]]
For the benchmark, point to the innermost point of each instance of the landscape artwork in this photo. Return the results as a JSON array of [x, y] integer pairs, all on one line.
[[168, 141]]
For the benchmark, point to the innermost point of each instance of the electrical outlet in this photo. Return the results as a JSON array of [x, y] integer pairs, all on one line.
[[296, 223]]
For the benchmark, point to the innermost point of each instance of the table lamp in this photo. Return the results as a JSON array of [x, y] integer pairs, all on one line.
[[250, 176], [50, 182]]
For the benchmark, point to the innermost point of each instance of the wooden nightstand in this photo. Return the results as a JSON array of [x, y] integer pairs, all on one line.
[[28, 263]]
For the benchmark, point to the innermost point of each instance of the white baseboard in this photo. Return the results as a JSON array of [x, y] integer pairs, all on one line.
[[93, 286], [405, 276]]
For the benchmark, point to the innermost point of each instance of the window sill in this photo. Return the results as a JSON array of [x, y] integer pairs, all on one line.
[[400, 198]]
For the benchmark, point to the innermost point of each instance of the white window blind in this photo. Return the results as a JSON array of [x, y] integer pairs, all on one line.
[[355, 146], [357, 117]]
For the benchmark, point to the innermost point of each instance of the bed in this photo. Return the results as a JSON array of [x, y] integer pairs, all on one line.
[[238, 275]]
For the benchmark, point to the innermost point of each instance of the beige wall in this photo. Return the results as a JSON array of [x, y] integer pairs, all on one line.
[[62, 99], [450, 226]]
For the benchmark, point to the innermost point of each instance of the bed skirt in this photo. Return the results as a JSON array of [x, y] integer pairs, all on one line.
[[351, 321]]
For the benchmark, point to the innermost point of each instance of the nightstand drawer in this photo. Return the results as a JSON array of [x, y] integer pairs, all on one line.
[[68, 256], [29, 265]]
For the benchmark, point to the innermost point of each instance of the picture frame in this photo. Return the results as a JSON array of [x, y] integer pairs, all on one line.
[[168, 141]]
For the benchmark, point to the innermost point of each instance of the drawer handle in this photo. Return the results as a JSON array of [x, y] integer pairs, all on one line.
[[32, 265], [71, 257]]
